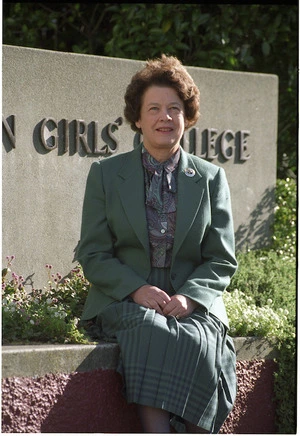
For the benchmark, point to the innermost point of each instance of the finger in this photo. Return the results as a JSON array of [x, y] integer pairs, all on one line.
[[154, 305], [171, 309], [164, 297], [158, 310], [176, 314], [162, 303], [146, 304]]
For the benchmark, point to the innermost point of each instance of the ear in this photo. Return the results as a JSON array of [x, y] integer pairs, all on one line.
[[138, 124]]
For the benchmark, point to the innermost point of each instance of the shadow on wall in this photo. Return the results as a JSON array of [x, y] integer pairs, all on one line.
[[254, 411], [257, 234], [92, 400]]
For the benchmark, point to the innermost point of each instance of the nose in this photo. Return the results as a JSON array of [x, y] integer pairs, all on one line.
[[165, 115]]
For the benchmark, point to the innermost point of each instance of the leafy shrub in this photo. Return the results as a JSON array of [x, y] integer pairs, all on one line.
[[284, 229], [286, 383], [261, 301], [49, 315], [270, 275], [247, 319], [267, 275]]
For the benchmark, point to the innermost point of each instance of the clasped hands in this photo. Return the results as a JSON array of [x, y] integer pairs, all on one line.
[[152, 297]]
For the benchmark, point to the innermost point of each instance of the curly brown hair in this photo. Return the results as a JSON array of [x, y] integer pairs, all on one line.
[[165, 71]]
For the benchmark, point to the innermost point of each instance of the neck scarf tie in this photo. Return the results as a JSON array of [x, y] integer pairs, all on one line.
[[162, 179]]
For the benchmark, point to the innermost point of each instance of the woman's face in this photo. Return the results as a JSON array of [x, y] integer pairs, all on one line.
[[162, 120]]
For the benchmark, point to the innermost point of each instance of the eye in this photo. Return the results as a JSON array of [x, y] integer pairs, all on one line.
[[153, 108]]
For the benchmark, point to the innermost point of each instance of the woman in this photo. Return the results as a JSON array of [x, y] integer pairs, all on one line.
[[157, 245]]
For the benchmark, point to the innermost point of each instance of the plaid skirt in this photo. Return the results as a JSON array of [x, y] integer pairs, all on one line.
[[184, 366]]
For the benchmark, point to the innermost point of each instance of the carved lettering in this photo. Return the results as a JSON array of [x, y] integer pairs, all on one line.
[[243, 145], [77, 135], [111, 141], [196, 141], [50, 142], [112, 127], [10, 130], [66, 135], [211, 144], [81, 136], [95, 137], [224, 144]]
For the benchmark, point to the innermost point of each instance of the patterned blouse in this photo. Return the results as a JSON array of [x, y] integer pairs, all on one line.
[[161, 201]]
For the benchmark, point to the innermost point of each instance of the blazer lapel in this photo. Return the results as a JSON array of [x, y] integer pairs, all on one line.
[[189, 198], [132, 195]]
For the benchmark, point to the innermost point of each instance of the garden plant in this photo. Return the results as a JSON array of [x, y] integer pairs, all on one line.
[[261, 302], [261, 299]]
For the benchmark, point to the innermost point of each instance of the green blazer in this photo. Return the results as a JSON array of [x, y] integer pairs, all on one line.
[[114, 245]]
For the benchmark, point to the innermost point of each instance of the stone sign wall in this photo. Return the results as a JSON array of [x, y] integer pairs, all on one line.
[[63, 111]]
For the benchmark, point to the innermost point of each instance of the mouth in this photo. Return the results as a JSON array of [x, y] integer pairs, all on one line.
[[164, 129]]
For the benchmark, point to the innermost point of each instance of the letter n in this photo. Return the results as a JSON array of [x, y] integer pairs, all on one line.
[[9, 127]]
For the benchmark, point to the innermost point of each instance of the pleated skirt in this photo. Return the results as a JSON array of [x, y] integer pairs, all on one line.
[[184, 366]]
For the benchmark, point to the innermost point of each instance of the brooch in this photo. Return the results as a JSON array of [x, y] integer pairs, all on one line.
[[189, 172]]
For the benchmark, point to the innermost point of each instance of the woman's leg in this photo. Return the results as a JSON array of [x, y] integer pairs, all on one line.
[[154, 420], [193, 428]]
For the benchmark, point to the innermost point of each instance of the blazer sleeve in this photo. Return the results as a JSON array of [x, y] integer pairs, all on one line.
[[95, 252], [218, 262]]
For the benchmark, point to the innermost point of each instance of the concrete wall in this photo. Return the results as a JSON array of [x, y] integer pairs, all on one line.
[[75, 389], [63, 111]]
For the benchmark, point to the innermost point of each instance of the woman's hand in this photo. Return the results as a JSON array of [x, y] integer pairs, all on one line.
[[180, 306], [151, 297]]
